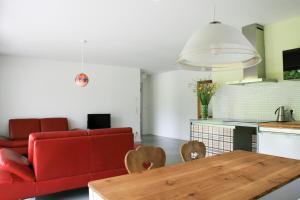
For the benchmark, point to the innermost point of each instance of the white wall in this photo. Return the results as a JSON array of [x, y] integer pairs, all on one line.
[[44, 88], [173, 103], [146, 97]]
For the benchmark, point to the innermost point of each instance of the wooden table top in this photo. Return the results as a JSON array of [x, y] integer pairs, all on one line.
[[295, 124], [237, 175]]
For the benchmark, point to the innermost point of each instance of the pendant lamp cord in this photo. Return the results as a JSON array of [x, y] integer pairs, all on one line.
[[81, 68], [82, 54], [214, 12]]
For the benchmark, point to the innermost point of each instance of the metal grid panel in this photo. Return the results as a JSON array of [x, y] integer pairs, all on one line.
[[217, 139]]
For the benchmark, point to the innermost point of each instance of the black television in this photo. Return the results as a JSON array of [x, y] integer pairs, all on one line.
[[96, 121], [291, 64]]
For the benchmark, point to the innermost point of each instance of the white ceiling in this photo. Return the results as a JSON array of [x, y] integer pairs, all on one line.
[[136, 33]]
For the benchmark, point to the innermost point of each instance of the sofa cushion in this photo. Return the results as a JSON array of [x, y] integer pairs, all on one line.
[[13, 187], [61, 157], [54, 124], [50, 135], [6, 177], [105, 131], [4, 142], [108, 151], [20, 150], [21, 128], [15, 163]]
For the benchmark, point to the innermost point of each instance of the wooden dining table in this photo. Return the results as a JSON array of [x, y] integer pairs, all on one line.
[[237, 175]]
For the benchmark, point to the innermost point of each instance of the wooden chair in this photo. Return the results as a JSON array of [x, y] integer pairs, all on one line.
[[192, 150], [144, 158]]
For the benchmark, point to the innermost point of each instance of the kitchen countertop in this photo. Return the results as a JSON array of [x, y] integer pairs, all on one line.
[[292, 125], [227, 122], [282, 127]]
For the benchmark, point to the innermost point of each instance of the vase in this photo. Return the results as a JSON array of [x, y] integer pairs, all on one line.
[[204, 112]]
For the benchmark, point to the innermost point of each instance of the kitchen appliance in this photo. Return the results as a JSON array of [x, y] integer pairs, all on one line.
[[256, 74], [280, 114], [291, 64], [292, 116]]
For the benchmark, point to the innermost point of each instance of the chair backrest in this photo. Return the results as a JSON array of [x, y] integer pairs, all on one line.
[[192, 150], [144, 158]]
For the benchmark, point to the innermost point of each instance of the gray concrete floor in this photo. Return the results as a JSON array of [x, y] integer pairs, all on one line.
[[171, 147]]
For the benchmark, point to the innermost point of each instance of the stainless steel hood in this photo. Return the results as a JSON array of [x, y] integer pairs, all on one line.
[[255, 74]]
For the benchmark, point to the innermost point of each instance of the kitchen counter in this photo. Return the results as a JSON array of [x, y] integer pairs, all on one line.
[[227, 122], [248, 123], [292, 125], [274, 138], [223, 135], [280, 127]]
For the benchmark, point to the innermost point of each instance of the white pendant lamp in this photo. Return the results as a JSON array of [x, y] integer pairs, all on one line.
[[82, 79], [218, 46]]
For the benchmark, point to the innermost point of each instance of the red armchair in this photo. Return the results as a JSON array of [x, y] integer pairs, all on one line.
[[19, 130], [64, 160]]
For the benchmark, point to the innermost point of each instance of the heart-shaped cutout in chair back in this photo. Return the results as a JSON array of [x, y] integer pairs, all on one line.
[[147, 165], [192, 150], [144, 158], [194, 155]]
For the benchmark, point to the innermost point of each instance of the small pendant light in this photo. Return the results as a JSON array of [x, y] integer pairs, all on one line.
[[82, 79]]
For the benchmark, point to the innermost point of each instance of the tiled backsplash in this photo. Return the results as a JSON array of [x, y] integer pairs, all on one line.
[[256, 101]]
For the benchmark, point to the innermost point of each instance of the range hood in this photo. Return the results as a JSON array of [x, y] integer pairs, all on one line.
[[255, 74]]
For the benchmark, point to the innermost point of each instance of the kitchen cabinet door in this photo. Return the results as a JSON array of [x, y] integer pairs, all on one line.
[[279, 144]]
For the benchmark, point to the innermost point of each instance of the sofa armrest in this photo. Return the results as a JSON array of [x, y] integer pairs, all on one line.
[[4, 141], [14, 163], [8, 143]]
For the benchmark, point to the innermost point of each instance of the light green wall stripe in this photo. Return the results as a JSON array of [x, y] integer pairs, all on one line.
[[280, 36]]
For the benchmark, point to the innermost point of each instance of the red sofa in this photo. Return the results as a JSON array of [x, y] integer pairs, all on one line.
[[19, 130], [64, 160]]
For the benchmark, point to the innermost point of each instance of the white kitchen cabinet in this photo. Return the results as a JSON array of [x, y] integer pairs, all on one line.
[[284, 144]]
